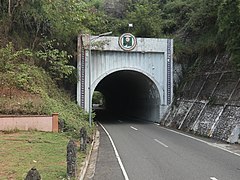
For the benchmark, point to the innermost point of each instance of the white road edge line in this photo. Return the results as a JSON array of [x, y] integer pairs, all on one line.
[[160, 143], [213, 178], [208, 143], [116, 153], [133, 128]]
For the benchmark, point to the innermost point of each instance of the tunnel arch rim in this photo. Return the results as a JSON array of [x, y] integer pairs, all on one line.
[[160, 89]]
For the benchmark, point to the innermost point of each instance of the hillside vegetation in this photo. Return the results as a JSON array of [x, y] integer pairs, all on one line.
[[38, 43], [37, 66], [198, 27]]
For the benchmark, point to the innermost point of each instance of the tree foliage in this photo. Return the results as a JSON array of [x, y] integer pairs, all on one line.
[[12, 66], [229, 25], [146, 18], [36, 24], [198, 27], [55, 61]]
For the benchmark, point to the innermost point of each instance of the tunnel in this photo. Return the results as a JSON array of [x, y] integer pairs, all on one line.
[[130, 94]]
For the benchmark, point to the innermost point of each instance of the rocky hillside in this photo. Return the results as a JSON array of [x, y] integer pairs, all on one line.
[[115, 8], [208, 102]]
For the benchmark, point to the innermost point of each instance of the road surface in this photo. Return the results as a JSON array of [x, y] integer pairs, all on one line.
[[151, 152]]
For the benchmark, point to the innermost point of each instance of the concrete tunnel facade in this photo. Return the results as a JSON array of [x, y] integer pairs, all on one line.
[[136, 83]]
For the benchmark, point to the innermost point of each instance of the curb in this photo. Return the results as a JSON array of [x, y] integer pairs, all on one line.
[[87, 159]]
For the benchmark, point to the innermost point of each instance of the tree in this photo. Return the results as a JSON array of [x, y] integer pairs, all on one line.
[[229, 25], [54, 61], [146, 18]]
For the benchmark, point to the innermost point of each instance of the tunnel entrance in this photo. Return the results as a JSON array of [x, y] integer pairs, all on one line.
[[136, 83], [130, 94]]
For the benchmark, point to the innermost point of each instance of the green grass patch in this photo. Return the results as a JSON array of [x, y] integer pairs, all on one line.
[[20, 151]]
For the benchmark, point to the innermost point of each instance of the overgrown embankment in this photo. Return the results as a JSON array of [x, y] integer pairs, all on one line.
[[37, 64], [38, 76], [27, 88], [208, 102], [29, 84]]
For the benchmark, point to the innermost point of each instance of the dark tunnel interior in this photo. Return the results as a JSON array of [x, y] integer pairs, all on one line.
[[130, 94]]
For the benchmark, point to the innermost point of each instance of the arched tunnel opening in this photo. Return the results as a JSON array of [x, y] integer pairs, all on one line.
[[130, 94]]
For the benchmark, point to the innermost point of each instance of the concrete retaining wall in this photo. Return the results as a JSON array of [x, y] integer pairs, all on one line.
[[40, 123], [208, 103]]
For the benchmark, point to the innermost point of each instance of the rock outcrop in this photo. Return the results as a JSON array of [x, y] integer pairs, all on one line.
[[115, 8]]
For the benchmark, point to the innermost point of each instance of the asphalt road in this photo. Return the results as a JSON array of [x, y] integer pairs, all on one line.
[[150, 152]]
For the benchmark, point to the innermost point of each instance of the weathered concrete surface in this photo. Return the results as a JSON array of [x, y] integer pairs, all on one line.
[[209, 101]]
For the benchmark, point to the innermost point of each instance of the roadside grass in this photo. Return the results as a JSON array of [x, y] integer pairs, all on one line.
[[21, 150]]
